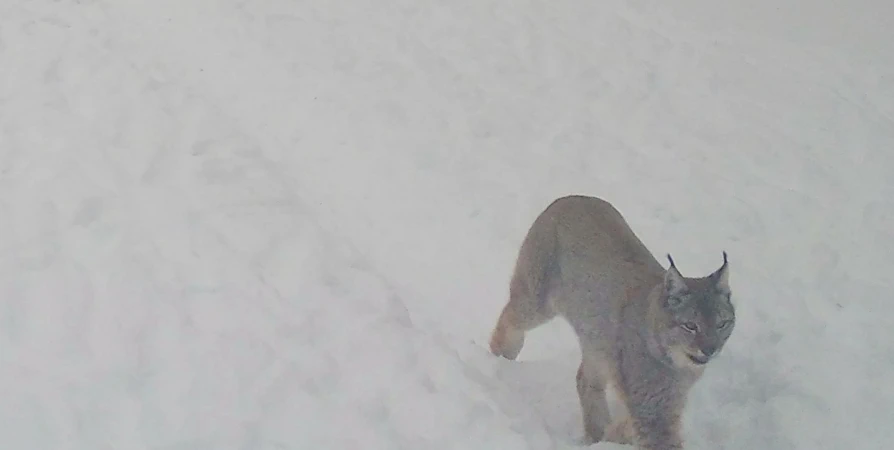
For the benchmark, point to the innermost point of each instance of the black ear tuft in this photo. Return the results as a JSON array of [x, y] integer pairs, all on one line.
[[674, 283], [721, 275]]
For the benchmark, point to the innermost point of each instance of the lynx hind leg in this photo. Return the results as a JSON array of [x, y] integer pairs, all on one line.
[[594, 405], [523, 312], [620, 431]]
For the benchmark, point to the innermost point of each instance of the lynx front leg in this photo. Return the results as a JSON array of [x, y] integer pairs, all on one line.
[[591, 390], [620, 430], [656, 429]]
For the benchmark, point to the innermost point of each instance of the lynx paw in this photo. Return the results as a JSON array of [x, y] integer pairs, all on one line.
[[619, 432], [506, 342], [586, 441]]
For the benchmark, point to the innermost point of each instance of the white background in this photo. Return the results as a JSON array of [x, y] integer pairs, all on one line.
[[265, 224]]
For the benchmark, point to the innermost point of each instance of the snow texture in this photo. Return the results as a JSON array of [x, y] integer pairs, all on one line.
[[268, 224]]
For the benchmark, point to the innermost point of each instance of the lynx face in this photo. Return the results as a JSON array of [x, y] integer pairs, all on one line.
[[698, 316]]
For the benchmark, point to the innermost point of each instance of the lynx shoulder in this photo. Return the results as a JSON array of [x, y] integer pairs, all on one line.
[[645, 331]]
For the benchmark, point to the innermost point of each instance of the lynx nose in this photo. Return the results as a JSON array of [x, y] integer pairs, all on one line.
[[709, 349]]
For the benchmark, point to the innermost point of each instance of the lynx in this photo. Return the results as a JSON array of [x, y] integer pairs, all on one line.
[[644, 331]]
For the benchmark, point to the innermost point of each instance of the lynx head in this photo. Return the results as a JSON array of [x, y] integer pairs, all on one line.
[[696, 315]]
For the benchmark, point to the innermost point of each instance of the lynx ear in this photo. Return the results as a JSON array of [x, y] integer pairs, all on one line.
[[674, 284], [721, 276]]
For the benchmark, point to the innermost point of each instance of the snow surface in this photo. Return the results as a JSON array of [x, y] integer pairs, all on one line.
[[290, 225]]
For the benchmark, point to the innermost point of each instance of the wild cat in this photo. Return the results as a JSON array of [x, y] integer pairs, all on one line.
[[645, 331]]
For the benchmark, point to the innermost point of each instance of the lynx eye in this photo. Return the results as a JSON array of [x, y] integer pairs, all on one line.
[[690, 327], [724, 324]]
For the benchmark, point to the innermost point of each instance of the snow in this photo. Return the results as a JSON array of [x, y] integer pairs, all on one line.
[[290, 225]]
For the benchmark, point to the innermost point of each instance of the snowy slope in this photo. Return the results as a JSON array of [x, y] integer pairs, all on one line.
[[288, 225]]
